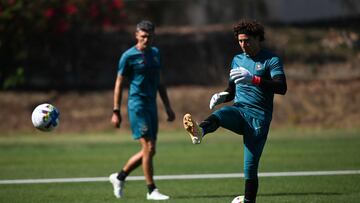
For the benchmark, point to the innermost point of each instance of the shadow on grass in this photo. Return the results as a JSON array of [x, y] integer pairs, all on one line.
[[262, 195], [205, 196], [301, 194]]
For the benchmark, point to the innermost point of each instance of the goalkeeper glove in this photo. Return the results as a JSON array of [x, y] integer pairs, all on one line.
[[241, 75], [218, 98]]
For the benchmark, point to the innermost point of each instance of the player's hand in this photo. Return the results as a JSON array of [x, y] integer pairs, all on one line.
[[218, 98], [171, 115], [116, 119], [241, 75]]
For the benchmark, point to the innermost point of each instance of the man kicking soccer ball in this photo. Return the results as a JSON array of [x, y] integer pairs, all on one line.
[[255, 76], [141, 65]]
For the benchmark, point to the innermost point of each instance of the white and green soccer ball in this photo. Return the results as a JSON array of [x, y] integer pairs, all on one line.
[[45, 117], [238, 199]]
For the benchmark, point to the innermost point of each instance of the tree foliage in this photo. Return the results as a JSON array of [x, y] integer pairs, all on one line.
[[22, 20]]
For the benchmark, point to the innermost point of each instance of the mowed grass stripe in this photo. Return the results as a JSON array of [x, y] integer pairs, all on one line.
[[183, 177]]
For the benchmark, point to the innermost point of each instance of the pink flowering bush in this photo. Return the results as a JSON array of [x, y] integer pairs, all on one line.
[[22, 20]]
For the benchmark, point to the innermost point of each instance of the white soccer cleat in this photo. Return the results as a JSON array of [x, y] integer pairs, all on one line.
[[118, 185], [156, 195], [193, 129], [238, 199]]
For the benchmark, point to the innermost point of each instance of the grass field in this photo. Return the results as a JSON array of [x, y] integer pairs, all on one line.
[[38, 155]]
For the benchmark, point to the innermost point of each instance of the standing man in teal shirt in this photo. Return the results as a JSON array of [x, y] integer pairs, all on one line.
[[141, 66], [255, 76]]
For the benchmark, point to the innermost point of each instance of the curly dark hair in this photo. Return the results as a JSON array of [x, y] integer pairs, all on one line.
[[249, 27]]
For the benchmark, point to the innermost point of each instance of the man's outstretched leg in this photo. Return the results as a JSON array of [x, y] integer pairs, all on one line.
[[196, 131], [191, 126]]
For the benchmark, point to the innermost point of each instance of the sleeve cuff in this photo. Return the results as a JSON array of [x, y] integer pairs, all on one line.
[[256, 80]]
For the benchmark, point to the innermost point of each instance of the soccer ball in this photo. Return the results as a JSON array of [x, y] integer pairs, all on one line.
[[238, 199], [45, 117]]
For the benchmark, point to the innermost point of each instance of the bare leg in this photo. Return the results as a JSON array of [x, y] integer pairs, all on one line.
[[148, 149], [134, 162]]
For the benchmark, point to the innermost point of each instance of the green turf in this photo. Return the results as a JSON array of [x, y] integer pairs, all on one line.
[[24, 156]]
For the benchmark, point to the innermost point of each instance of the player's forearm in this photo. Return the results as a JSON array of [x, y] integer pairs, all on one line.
[[164, 96], [231, 90], [277, 84], [117, 93]]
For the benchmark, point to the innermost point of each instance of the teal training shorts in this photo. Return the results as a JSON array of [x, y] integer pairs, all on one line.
[[144, 122]]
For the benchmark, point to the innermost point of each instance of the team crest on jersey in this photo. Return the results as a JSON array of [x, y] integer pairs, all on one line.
[[258, 66], [140, 61], [144, 129]]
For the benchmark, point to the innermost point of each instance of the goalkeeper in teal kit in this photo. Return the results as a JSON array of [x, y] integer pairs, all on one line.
[[255, 76]]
